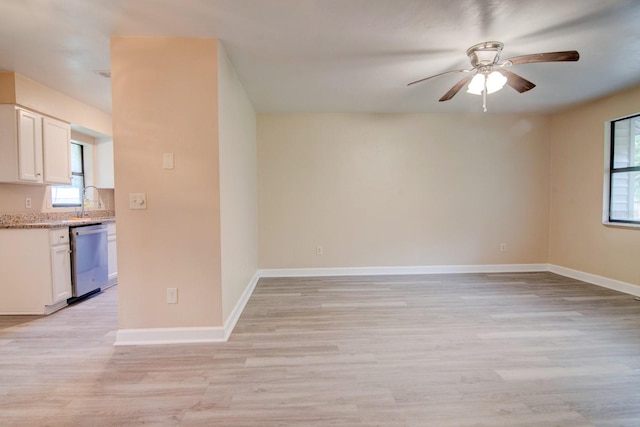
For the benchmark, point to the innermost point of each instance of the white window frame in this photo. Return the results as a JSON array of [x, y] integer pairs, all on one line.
[[606, 193]]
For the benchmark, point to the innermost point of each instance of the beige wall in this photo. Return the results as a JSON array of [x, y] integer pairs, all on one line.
[[402, 189], [165, 100], [238, 185], [12, 199], [7, 87], [578, 239]]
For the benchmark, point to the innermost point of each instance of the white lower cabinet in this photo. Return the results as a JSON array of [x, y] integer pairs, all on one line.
[[112, 254], [35, 273], [60, 268]]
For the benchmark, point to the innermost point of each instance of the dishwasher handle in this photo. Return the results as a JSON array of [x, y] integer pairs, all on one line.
[[83, 231]]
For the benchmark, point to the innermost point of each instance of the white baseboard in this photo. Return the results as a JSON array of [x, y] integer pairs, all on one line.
[[150, 336], [231, 321], [382, 271], [48, 309], [605, 282], [221, 334]]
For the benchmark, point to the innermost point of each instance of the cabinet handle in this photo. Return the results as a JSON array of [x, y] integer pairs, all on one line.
[[38, 174]]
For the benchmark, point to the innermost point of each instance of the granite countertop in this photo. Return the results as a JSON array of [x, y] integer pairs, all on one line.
[[60, 223], [49, 220]]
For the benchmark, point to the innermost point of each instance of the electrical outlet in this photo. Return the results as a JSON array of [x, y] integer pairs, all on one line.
[[503, 247], [172, 295], [167, 160], [319, 250], [27, 202]]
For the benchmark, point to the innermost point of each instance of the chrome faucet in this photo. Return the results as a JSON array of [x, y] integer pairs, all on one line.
[[84, 194]]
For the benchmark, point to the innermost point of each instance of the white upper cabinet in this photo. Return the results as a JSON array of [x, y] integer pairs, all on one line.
[[29, 140], [33, 149], [104, 161], [56, 146]]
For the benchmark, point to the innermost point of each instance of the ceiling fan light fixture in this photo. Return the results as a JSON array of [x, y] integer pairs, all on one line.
[[486, 53], [494, 82], [476, 85], [486, 56]]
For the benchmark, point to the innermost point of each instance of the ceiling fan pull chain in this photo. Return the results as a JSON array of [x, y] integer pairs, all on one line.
[[484, 97]]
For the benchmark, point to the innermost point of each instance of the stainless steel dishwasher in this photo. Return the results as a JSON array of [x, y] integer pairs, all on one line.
[[89, 270]]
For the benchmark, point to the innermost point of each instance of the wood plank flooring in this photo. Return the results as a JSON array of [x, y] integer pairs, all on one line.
[[531, 349]]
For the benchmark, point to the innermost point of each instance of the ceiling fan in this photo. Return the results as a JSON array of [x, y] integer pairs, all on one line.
[[490, 74]]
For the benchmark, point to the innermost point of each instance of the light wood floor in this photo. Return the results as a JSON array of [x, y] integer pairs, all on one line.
[[531, 349]]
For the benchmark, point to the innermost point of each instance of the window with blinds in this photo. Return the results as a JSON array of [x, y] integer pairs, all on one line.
[[71, 195], [624, 170]]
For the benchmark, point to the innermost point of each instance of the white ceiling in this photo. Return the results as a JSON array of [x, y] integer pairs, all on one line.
[[339, 55]]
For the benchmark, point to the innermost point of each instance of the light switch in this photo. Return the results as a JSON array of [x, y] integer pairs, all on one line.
[[167, 161], [172, 295], [137, 201]]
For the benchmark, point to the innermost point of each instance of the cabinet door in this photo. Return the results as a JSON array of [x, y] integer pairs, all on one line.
[[60, 273], [112, 259], [56, 145], [29, 147], [104, 157]]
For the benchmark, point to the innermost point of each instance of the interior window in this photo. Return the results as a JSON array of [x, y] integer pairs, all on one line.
[[624, 175], [71, 195]]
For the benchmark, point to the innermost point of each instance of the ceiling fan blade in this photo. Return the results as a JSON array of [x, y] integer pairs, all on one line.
[[569, 55], [438, 75], [515, 81], [455, 89]]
